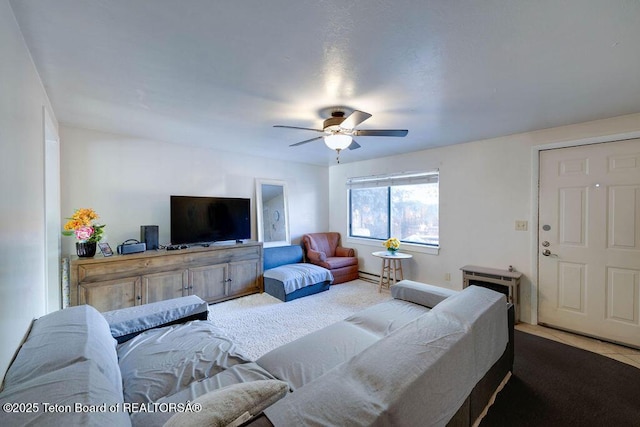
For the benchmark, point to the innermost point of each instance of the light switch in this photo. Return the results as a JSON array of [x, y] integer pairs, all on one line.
[[522, 225]]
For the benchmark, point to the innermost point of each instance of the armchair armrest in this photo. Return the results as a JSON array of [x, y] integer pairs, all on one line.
[[128, 322], [316, 256], [342, 251]]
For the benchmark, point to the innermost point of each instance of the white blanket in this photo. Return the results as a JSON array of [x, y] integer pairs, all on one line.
[[297, 276], [420, 374]]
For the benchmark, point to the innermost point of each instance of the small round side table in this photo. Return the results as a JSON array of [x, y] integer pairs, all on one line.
[[390, 262]]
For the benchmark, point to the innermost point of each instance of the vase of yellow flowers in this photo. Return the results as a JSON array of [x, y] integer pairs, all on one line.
[[82, 225], [392, 245]]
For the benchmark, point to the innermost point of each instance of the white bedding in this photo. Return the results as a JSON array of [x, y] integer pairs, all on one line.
[[419, 374], [298, 276]]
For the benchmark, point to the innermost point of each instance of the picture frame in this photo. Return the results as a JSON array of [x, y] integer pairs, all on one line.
[[105, 249]]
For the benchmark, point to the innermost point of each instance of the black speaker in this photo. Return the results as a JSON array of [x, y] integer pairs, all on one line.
[[149, 235]]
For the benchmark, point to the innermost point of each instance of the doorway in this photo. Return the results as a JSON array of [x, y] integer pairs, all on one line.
[[52, 238], [589, 240]]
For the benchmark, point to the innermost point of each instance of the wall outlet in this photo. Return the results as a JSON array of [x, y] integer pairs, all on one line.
[[522, 225], [447, 277]]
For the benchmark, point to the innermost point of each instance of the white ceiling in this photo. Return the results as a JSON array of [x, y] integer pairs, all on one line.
[[222, 73]]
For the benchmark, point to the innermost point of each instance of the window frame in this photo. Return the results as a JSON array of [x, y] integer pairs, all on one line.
[[389, 181]]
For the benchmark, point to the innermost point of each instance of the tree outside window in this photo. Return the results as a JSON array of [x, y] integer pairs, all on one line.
[[408, 211]]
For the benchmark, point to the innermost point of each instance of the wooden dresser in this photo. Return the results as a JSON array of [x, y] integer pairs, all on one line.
[[215, 273]]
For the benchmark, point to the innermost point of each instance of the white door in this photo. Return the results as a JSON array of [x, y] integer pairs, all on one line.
[[589, 240]]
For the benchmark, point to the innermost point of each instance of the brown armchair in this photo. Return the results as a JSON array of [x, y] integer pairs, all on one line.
[[324, 249]]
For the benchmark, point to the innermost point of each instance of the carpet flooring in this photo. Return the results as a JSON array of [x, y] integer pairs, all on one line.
[[259, 323], [554, 384]]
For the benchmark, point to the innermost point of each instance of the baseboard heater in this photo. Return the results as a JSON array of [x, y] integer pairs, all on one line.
[[369, 277]]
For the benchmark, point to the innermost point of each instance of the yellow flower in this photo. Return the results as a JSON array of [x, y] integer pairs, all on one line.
[[83, 218], [73, 224], [392, 244], [85, 215]]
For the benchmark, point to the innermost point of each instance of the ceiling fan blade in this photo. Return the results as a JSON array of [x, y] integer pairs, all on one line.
[[381, 132], [305, 141], [296, 127], [353, 145], [354, 119]]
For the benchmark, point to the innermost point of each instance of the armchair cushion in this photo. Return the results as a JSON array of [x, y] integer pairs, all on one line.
[[325, 243], [316, 257], [324, 249], [340, 261]]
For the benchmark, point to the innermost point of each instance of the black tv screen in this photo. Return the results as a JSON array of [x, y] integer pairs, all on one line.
[[209, 219]]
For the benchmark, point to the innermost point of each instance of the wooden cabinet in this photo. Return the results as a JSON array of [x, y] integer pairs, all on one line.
[[107, 294], [215, 273], [240, 278], [209, 282], [164, 285]]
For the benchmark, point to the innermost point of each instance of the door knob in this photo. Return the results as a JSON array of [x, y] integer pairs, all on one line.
[[547, 252]]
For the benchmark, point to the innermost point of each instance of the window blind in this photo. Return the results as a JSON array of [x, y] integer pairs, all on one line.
[[405, 178]]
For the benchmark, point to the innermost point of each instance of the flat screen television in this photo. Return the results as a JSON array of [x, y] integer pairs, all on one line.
[[209, 219]]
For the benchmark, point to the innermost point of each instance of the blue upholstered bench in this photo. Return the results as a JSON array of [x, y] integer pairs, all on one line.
[[287, 276]]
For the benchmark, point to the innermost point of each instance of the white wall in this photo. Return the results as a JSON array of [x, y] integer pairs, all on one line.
[[485, 186], [22, 97], [128, 182]]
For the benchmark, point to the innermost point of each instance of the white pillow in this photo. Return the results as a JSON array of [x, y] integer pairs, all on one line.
[[232, 405]]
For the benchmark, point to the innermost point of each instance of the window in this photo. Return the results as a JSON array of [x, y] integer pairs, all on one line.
[[404, 206]]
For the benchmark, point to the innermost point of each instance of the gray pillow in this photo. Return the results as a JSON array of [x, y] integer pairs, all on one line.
[[232, 405], [420, 293], [62, 338]]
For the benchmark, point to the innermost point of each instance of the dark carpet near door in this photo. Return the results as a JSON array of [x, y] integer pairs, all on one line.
[[554, 384]]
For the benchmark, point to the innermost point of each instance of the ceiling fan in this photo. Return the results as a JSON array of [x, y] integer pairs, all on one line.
[[338, 131]]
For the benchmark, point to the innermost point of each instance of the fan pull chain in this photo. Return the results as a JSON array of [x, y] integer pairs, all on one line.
[[338, 156]]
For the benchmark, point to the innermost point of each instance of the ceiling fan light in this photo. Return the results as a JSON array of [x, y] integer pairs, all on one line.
[[337, 141]]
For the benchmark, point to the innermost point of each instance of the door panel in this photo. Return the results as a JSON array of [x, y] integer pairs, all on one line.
[[623, 221], [622, 295], [110, 294], [571, 286], [164, 286], [209, 282], [243, 275], [589, 213], [573, 216]]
